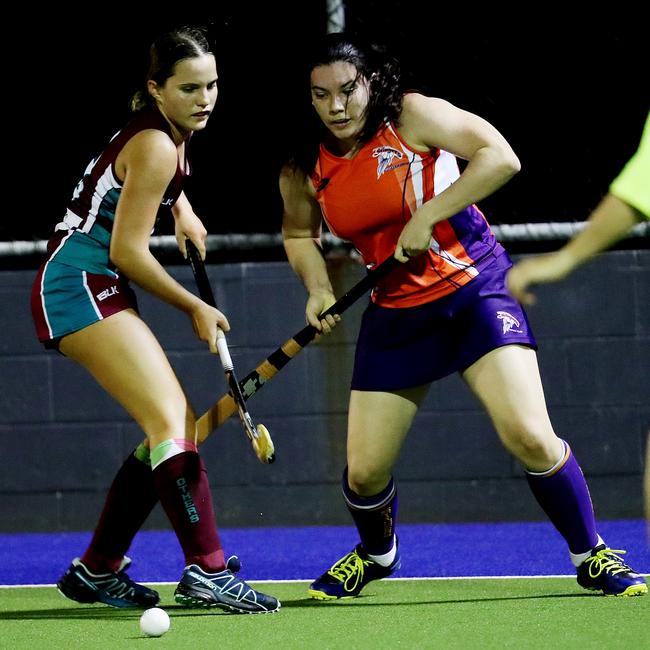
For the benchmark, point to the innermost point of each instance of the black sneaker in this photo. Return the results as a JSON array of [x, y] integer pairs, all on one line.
[[350, 575], [605, 571], [115, 588], [223, 589]]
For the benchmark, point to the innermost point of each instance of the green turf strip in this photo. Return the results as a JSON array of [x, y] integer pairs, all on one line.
[[517, 613]]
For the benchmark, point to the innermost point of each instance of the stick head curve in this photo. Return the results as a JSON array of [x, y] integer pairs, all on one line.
[[263, 445]]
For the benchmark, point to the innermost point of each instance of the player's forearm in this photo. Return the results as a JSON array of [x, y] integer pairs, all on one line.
[[609, 222], [142, 268], [488, 171], [307, 262], [182, 205]]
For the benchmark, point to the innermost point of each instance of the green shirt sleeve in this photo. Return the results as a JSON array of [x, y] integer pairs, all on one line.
[[632, 185]]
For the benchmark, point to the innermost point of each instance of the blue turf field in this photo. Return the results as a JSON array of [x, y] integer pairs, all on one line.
[[428, 550]]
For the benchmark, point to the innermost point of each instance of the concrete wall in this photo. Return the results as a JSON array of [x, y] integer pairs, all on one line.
[[62, 438]]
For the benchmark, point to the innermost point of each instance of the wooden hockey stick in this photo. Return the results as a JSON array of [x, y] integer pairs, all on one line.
[[226, 406], [258, 435]]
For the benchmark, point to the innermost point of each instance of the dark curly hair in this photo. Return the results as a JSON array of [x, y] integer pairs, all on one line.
[[373, 63]]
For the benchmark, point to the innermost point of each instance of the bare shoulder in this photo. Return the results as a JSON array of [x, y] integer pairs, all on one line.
[[295, 182], [290, 174], [428, 122], [154, 143], [417, 107], [149, 149], [423, 118], [416, 103]]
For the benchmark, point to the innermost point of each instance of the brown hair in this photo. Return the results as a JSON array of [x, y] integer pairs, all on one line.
[[165, 53]]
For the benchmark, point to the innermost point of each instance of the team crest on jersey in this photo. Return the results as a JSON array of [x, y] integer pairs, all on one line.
[[510, 323], [385, 156]]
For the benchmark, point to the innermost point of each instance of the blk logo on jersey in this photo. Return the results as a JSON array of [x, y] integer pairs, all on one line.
[[509, 322], [385, 156], [107, 293]]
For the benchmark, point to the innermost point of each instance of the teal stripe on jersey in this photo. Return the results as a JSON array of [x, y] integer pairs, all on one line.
[[107, 213], [84, 252]]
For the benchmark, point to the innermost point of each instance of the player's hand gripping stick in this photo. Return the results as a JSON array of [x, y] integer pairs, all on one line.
[[216, 415], [258, 435]]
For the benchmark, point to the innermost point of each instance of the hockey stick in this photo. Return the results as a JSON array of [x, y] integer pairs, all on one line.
[[215, 416], [258, 435]]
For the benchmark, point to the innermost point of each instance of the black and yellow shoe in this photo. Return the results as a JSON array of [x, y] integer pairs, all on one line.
[[605, 571], [350, 575]]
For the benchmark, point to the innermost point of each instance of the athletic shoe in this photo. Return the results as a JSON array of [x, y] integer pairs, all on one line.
[[605, 571], [114, 588], [350, 575], [223, 589]]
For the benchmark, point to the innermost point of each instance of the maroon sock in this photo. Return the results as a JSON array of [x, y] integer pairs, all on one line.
[[131, 498], [184, 492]]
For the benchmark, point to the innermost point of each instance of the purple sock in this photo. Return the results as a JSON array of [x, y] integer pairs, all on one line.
[[374, 516], [564, 496]]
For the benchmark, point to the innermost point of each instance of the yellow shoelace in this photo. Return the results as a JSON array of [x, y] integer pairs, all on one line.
[[606, 560], [351, 567]]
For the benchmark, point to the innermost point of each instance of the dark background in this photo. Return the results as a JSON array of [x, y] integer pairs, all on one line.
[[569, 94]]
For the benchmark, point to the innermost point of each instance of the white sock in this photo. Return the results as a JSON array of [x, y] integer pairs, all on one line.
[[387, 558], [581, 557]]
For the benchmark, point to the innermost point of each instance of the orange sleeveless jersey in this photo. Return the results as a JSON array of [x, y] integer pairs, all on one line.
[[367, 200]]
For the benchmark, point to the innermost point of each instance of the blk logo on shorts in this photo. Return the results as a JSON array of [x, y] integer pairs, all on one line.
[[509, 322], [107, 293]]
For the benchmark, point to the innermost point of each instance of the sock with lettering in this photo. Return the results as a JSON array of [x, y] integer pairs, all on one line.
[[181, 480], [374, 516]]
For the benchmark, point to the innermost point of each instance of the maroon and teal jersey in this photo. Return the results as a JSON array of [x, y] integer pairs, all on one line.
[[82, 239], [368, 199], [77, 284]]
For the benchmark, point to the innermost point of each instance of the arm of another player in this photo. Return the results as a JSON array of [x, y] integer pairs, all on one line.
[[626, 204], [610, 221], [301, 231]]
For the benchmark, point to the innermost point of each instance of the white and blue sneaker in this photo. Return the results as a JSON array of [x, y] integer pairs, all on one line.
[[114, 588], [223, 589]]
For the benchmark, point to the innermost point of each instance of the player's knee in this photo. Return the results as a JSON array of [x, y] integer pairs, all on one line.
[[171, 419], [534, 448], [366, 480]]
